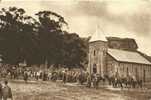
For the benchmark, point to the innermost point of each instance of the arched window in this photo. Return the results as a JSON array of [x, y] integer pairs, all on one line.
[[94, 53]]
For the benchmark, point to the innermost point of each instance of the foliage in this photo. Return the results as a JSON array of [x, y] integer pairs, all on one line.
[[39, 40], [75, 50]]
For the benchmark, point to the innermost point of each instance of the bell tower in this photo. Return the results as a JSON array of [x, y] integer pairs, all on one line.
[[97, 53]]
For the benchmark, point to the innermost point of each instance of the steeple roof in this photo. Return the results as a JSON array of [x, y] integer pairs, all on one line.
[[98, 35]]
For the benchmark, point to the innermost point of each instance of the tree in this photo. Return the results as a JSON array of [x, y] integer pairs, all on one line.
[[75, 50], [24, 38], [29, 41], [17, 35], [50, 34]]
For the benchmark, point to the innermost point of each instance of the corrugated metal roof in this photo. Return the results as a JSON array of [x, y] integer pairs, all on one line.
[[128, 56]]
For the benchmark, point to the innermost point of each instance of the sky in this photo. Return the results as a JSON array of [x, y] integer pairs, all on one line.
[[118, 18]]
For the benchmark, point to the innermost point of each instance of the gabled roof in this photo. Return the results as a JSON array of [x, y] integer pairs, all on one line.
[[128, 56]]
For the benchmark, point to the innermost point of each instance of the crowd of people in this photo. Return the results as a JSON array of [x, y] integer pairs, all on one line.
[[81, 77], [71, 76]]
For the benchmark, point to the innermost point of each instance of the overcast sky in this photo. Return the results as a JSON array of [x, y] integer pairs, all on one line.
[[121, 18]]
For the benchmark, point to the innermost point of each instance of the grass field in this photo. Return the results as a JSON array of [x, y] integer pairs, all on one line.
[[57, 91]]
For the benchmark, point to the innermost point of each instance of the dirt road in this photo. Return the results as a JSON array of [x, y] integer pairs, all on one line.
[[58, 91]]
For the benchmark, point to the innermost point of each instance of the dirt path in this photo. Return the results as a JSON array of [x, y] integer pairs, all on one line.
[[58, 91]]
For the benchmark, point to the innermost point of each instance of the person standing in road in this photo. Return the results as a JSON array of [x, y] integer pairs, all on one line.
[[64, 76], [6, 91], [25, 76], [89, 81], [0, 91]]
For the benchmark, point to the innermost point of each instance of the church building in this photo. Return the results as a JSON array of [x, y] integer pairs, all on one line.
[[110, 55]]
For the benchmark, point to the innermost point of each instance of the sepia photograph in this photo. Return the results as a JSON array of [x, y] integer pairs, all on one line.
[[75, 49]]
